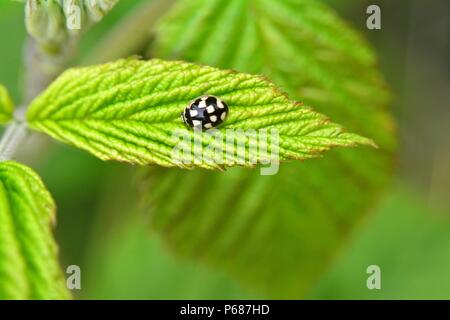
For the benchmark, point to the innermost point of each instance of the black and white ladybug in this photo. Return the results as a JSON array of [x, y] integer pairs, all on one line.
[[205, 113]]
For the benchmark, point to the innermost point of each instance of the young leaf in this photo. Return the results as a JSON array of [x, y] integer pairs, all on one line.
[[28, 255], [6, 105], [129, 111], [277, 233]]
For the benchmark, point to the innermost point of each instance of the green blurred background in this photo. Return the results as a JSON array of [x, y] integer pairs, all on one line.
[[407, 235]]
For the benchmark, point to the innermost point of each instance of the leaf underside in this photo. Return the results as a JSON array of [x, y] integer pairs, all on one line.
[[277, 233], [29, 266], [129, 111]]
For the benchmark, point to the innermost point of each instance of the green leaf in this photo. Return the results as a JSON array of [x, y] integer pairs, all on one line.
[[280, 233], [129, 111], [6, 105], [28, 255]]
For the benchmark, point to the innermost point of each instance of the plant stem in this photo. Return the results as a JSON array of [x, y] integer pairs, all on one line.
[[40, 69], [14, 136]]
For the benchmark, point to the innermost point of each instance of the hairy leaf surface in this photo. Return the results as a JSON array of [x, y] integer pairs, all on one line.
[[129, 111]]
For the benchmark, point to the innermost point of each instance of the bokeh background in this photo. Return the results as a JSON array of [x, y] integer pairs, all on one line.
[[100, 223]]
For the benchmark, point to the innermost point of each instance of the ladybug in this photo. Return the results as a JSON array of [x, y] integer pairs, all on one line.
[[205, 113]]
